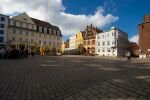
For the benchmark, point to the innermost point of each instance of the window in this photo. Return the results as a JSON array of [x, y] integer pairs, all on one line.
[[45, 30], [54, 32], [31, 40], [44, 36], [84, 42], [20, 24], [26, 40], [108, 49], [112, 42], [45, 42], [27, 33], [58, 38], [103, 49], [53, 43], [1, 39], [14, 31], [32, 34], [20, 32], [88, 42], [98, 50], [27, 25], [40, 29], [58, 32], [1, 31], [13, 38], [108, 42], [107, 35], [20, 39], [115, 42], [49, 42], [39, 41], [14, 23], [103, 43], [112, 33], [32, 26], [50, 31], [24, 19], [2, 26], [98, 43], [93, 42], [3, 19]]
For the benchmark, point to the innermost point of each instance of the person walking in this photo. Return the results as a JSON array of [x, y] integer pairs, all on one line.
[[26, 53], [2, 53], [128, 55]]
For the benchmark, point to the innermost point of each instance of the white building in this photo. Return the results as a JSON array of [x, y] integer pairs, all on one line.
[[3, 30], [72, 42], [112, 43]]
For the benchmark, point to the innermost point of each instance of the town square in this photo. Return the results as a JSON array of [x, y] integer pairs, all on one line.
[[74, 78]]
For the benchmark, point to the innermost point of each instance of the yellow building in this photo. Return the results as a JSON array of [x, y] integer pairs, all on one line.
[[25, 32], [62, 46], [79, 39]]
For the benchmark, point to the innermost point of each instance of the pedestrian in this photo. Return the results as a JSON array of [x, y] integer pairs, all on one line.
[[128, 55], [26, 53], [2, 53]]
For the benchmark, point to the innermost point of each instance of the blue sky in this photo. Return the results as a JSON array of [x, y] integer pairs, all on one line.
[[72, 16], [130, 12]]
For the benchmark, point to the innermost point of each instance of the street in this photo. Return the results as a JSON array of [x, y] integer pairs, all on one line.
[[74, 78]]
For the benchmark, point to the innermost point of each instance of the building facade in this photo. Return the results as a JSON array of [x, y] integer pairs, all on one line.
[[144, 37], [112, 43], [72, 42], [3, 30], [134, 49], [29, 33], [89, 36], [79, 40], [62, 47]]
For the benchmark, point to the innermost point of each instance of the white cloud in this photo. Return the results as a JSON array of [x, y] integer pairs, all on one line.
[[54, 12], [135, 38]]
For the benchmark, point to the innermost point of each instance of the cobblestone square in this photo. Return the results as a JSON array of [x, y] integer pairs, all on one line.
[[74, 78]]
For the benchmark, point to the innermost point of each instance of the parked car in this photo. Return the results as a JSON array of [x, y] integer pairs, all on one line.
[[59, 54]]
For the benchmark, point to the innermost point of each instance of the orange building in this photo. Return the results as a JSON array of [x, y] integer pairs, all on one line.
[[89, 36]]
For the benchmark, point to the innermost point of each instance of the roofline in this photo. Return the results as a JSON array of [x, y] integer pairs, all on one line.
[[144, 23], [4, 15], [114, 29]]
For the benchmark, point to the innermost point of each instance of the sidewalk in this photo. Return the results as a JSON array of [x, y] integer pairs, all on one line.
[[139, 60]]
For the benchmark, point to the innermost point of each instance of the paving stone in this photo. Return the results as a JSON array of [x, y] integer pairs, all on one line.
[[73, 78]]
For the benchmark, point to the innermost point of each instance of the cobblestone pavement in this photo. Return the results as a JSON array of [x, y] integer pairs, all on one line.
[[74, 78]]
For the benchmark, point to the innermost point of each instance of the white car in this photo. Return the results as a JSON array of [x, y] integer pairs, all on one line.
[[59, 54]]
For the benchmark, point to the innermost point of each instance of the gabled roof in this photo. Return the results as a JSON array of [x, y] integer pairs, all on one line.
[[41, 23], [46, 25]]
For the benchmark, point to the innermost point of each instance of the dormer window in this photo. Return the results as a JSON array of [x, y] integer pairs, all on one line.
[[45, 30], [58, 32], [54, 32], [24, 19], [50, 31], [40, 29]]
